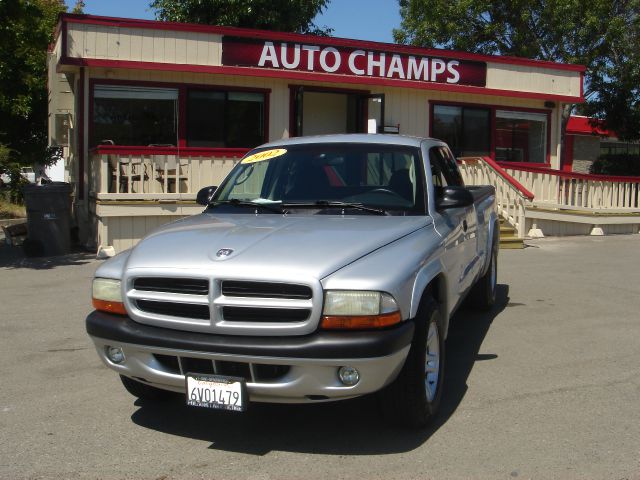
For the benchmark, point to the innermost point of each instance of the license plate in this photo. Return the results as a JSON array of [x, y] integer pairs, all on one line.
[[218, 392]]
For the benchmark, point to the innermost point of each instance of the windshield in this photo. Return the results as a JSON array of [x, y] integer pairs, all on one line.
[[329, 176]]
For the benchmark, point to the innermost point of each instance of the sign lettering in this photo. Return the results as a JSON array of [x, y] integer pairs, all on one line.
[[353, 62]]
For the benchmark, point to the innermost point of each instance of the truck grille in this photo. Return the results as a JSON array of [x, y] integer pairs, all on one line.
[[227, 306], [251, 372], [231, 288], [189, 286], [258, 314], [184, 310]]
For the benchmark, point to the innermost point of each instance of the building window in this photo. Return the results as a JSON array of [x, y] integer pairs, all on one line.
[[465, 129], [225, 119], [128, 115], [521, 136]]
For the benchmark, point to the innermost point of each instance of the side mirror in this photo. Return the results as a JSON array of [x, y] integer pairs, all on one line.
[[453, 197], [205, 194]]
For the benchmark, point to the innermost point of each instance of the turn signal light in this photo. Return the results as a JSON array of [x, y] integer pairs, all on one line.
[[359, 322], [107, 306]]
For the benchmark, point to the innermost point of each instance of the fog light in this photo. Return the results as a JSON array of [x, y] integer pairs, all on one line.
[[115, 354], [349, 375]]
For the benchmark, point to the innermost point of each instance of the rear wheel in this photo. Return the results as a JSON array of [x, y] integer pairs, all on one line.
[[143, 391], [483, 293], [413, 398]]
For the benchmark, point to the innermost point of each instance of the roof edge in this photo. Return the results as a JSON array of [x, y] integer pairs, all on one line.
[[332, 41]]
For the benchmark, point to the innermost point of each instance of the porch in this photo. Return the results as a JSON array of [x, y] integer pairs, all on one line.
[[135, 190], [537, 201]]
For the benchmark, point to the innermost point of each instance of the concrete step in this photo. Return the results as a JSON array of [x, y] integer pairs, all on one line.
[[511, 242]]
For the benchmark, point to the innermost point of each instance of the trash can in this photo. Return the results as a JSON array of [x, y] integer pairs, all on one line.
[[48, 218]]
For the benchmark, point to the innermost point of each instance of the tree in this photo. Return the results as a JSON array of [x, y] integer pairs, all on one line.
[[582, 32], [26, 30], [281, 15], [617, 102]]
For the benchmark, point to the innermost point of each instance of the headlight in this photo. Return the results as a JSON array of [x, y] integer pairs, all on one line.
[[107, 296], [353, 309]]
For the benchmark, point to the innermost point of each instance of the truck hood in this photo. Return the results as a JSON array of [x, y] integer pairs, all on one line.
[[268, 245]]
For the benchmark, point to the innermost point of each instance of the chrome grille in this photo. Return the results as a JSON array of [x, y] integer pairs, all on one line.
[[224, 305], [189, 286], [260, 314], [234, 288], [183, 310]]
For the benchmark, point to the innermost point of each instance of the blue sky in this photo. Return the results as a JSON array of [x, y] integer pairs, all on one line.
[[360, 19]]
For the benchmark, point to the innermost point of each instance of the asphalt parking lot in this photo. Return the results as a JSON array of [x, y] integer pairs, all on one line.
[[544, 386]]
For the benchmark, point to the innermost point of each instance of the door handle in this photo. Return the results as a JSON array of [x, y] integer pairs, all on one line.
[[464, 225]]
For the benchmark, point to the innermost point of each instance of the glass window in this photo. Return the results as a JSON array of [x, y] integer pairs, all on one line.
[[382, 176], [465, 129], [521, 136], [127, 115], [224, 119]]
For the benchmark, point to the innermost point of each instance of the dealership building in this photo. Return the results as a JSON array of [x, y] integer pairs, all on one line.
[[149, 112]]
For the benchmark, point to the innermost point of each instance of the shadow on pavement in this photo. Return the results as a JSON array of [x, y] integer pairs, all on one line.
[[14, 257], [353, 427]]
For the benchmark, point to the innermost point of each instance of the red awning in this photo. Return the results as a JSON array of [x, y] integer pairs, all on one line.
[[582, 126]]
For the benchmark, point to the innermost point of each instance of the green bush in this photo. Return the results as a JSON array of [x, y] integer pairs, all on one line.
[[617, 164]]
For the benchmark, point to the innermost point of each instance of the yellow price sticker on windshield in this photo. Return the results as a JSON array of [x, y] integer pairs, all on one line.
[[265, 155]]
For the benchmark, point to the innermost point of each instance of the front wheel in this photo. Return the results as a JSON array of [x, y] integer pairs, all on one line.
[[414, 397]]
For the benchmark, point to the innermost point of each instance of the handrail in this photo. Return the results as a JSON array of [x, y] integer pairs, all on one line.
[[511, 196], [578, 191], [154, 150], [126, 172], [504, 174], [576, 175]]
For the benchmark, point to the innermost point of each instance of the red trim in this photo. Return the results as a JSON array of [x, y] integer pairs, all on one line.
[[492, 121], [296, 37], [186, 151], [81, 121], [582, 176], [202, 86], [182, 103], [301, 76], [504, 174], [567, 154]]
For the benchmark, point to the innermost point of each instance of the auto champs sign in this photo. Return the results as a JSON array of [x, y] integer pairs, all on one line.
[[351, 61]]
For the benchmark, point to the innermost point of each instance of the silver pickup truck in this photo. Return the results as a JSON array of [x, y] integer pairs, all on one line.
[[323, 268]]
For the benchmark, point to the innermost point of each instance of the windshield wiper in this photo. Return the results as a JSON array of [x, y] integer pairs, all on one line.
[[336, 204], [236, 202]]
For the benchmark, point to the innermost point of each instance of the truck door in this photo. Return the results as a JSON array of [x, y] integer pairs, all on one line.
[[459, 223]]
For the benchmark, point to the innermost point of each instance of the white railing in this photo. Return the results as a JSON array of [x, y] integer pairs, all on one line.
[[575, 191], [137, 174], [511, 197]]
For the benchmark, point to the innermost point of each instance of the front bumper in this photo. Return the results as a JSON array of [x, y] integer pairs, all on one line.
[[302, 368]]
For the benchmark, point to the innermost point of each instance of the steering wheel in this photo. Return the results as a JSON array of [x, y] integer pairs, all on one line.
[[384, 190]]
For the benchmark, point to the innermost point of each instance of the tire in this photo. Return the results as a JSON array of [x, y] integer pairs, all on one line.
[[483, 294], [413, 399], [144, 392]]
